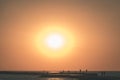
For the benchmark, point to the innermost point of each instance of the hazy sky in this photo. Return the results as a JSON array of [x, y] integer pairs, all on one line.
[[95, 23]]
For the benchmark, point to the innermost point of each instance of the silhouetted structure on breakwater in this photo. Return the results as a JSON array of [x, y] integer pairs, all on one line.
[[82, 75]]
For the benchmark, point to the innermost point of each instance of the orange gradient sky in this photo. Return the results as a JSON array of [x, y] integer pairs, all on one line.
[[91, 27]]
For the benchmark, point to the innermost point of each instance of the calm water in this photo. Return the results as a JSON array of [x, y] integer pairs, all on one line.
[[28, 77], [40, 79], [36, 77], [58, 79]]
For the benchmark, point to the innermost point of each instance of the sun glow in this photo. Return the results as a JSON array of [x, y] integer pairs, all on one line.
[[55, 41]]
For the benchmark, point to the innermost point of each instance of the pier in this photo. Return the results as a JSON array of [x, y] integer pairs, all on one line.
[[80, 75]]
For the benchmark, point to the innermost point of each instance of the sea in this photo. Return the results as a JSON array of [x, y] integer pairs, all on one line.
[[8, 76]]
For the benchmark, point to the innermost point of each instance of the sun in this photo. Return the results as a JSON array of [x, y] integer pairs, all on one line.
[[54, 41]]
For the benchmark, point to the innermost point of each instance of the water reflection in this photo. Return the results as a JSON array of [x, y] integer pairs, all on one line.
[[55, 79], [58, 79]]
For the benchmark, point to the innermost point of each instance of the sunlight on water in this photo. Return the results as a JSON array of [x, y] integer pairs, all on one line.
[[58, 79], [55, 79], [62, 79]]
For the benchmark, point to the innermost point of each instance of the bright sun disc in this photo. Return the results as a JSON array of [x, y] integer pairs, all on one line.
[[54, 41]]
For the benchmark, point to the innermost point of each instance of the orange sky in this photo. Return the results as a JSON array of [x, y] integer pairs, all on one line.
[[95, 25]]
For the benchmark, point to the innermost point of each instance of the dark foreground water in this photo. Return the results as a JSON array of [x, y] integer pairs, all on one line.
[[5, 76], [30, 77]]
